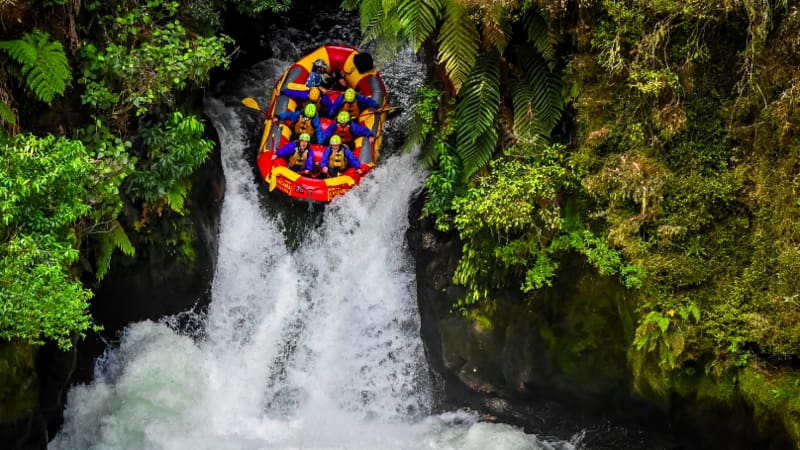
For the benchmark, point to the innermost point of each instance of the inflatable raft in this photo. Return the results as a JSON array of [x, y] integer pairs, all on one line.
[[345, 61]]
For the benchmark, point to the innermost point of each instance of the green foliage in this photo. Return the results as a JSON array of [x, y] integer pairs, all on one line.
[[116, 238], [44, 65], [476, 114], [39, 299], [459, 43], [44, 187], [175, 149], [537, 97], [512, 227], [418, 19], [443, 185], [7, 114], [254, 8], [147, 58]]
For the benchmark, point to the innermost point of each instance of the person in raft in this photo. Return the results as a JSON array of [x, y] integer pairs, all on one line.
[[351, 102], [306, 96], [318, 77], [297, 154], [337, 158], [347, 130], [306, 121]]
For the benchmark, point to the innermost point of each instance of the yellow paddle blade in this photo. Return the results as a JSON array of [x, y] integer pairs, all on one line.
[[273, 179], [251, 103]]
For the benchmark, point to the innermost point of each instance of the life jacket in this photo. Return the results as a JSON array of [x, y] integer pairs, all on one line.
[[304, 125], [352, 108], [343, 131], [337, 159], [299, 156]]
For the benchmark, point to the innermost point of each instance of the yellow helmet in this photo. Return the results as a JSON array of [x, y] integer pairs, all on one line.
[[313, 94], [350, 95], [343, 117], [336, 139]]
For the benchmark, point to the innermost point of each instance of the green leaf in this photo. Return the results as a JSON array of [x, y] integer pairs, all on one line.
[[44, 64], [418, 18], [7, 114], [476, 112], [536, 97], [459, 43]]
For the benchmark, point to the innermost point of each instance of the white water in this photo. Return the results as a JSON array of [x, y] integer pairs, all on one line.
[[316, 348]]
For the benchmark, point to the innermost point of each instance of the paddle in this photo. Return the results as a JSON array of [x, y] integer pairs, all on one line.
[[253, 104], [388, 108]]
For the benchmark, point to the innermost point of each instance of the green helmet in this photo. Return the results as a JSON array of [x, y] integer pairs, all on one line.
[[310, 110], [336, 139], [304, 137], [350, 95], [343, 117]]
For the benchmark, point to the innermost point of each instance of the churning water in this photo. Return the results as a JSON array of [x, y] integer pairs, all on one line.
[[313, 345]]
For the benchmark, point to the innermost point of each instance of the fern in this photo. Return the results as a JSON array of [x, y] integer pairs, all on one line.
[[459, 43], [536, 97], [176, 196], [7, 114], [541, 35], [419, 18], [45, 68], [115, 238], [476, 110], [372, 16], [496, 32]]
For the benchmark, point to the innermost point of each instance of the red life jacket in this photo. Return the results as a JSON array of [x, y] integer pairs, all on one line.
[[343, 131]]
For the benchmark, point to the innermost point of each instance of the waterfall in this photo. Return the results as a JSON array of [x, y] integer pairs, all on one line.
[[311, 340]]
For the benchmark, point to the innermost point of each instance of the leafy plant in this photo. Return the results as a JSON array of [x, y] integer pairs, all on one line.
[[45, 186], [476, 114], [174, 149], [43, 64], [147, 59]]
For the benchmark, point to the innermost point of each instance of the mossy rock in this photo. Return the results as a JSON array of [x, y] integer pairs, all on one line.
[[19, 383]]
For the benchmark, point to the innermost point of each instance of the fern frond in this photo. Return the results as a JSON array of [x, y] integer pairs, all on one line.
[[104, 257], [115, 238], [371, 14], [479, 99], [476, 112], [459, 43], [496, 32], [7, 114], [45, 67], [477, 154], [21, 51], [419, 19], [121, 241], [177, 195], [537, 97], [542, 36]]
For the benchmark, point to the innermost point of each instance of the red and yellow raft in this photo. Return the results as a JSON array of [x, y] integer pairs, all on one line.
[[315, 188]]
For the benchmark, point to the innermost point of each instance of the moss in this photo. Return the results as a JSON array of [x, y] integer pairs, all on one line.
[[775, 398], [19, 386]]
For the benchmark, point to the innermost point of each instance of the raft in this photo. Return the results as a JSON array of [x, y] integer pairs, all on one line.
[[315, 188]]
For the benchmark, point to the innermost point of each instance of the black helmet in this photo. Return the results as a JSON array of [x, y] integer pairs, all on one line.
[[320, 65]]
